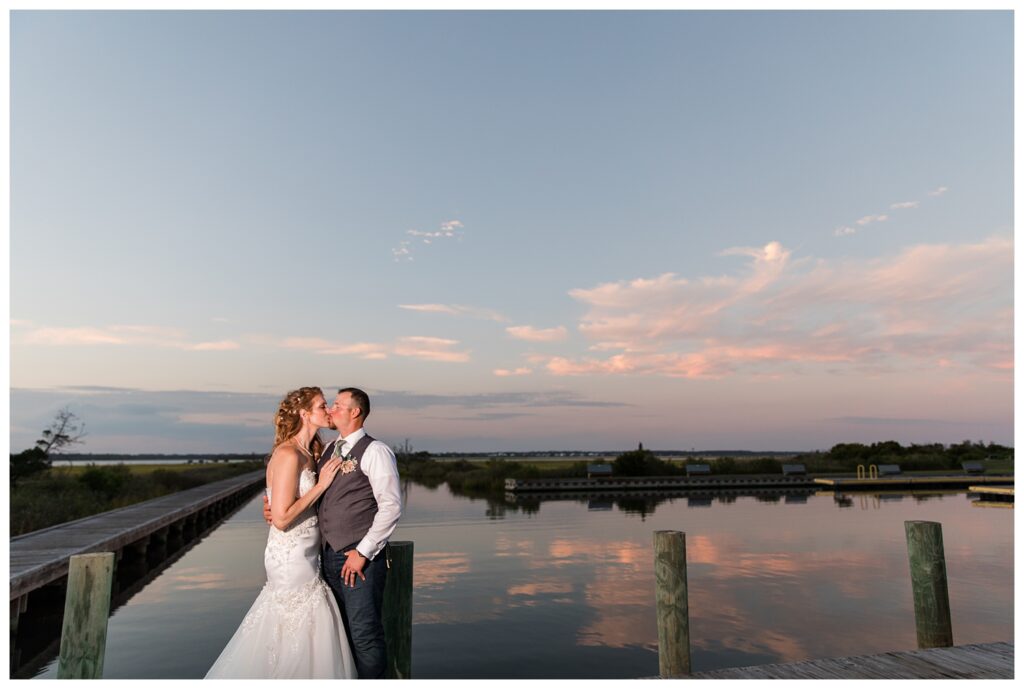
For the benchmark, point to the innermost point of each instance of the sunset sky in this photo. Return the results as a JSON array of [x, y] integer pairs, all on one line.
[[516, 231]]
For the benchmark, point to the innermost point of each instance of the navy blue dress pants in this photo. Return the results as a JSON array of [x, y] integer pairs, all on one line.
[[360, 609]]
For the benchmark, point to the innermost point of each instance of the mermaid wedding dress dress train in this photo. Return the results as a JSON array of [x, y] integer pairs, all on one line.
[[294, 629]]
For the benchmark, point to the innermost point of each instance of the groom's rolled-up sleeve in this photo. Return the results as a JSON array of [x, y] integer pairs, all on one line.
[[381, 469]]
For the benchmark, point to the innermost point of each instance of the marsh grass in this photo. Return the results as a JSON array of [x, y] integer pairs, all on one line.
[[63, 494]]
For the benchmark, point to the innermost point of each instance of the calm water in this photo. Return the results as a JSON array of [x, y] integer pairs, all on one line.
[[565, 588]]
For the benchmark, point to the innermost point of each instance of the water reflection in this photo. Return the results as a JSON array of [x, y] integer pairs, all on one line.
[[563, 586]]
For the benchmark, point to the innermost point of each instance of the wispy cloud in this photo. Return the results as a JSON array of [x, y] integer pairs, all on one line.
[[504, 372], [846, 230], [928, 303], [447, 230], [72, 336], [402, 252], [879, 421], [430, 349], [417, 347], [455, 310], [450, 229], [531, 334], [219, 346], [364, 350], [121, 335]]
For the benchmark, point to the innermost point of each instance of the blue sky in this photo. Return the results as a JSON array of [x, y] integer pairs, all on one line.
[[743, 230]]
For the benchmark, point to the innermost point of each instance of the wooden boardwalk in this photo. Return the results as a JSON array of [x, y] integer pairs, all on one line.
[[993, 491], [41, 557], [973, 661], [626, 483], [905, 481]]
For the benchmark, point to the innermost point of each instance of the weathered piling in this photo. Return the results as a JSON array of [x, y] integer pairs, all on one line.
[[83, 640], [672, 605], [397, 610], [928, 578]]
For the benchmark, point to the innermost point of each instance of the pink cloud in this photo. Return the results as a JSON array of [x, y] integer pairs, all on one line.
[[531, 334], [503, 372], [430, 349], [926, 302], [220, 346], [122, 335]]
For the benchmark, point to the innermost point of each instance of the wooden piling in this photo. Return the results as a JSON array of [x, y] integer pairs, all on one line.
[[397, 611], [672, 605], [928, 579], [83, 640]]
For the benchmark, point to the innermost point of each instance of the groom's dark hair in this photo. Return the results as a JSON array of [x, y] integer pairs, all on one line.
[[360, 399]]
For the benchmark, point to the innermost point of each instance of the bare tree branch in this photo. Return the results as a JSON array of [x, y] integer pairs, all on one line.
[[66, 429]]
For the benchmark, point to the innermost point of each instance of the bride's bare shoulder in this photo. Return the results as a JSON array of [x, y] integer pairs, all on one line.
[[285, 458]]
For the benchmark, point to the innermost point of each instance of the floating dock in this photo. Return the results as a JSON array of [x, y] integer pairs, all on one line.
[[972, 661], [993, 491], [652, 483], [747, 481], [992, 496], [904, 481]]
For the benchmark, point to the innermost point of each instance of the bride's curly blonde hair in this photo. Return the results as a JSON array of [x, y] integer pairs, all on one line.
[[288, 422]]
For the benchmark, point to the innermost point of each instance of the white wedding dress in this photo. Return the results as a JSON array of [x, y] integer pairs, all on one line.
[[294, 629]]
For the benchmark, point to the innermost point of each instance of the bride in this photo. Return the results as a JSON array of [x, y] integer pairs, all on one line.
[[294, 629]]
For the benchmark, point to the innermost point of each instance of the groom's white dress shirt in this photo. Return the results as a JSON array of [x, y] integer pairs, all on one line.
[[381, 468]]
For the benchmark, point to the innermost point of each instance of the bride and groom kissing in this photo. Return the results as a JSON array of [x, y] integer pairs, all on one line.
[[331, 510]]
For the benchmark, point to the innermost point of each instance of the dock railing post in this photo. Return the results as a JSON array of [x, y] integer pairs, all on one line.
[[397, 611], [672, 605], [83, 640], [928, 579]]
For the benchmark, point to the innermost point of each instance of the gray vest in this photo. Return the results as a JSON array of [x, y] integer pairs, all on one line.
[[347, 507]]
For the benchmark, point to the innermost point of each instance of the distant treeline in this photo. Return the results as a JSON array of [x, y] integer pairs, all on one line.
[[847, 456], [83, 458], [569, 454], [488, 479]]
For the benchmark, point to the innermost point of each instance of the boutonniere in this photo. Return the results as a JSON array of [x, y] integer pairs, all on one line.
[[348, 465]]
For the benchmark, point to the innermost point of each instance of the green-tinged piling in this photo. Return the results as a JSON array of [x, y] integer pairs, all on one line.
[[928, 578], [83, 641], [672, 605]]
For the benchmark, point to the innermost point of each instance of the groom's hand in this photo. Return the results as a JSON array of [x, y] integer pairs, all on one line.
[[353, 566], [266, 510]]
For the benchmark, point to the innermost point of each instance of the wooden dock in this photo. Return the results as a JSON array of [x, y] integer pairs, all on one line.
[[653, 483], [973, 661], [995, 491], [904, 481], [40, 558]]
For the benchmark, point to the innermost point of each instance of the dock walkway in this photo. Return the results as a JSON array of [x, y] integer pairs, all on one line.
[[972, 661], [905, 481], [627, 483], [41, 557]]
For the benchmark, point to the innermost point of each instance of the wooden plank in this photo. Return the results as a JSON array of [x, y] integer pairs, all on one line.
[[991, 490], [972, 661]]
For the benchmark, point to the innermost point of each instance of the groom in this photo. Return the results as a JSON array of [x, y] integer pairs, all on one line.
[[357, 515]]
